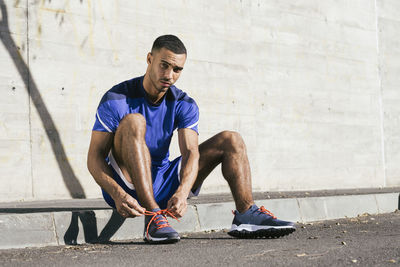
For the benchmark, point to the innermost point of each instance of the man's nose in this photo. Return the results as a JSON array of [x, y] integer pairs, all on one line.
[[169, 73]]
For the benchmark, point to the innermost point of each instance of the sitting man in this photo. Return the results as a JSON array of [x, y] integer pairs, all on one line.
[[129, 149]]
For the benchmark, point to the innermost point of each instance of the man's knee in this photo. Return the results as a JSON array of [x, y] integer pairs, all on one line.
[[134, 124], [233, 141]]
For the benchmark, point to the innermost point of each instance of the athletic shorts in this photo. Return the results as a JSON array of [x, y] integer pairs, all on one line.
[[166, 180]]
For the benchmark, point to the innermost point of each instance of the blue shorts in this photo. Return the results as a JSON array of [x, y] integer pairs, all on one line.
[[166, 180]]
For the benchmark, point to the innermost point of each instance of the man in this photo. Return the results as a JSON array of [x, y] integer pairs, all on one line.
[[128, 153]]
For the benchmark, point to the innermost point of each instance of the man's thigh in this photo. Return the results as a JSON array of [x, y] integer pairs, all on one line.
[[212, 152]]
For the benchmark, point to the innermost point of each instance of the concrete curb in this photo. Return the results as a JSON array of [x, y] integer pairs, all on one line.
[[59, 228]]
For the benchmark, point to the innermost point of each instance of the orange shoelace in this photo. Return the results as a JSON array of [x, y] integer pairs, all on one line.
[[160, 219], [265, 211]]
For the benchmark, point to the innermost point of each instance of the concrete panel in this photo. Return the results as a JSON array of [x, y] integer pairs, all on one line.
[[308, 79], [26, 230], [216, 216], [388, 202], [283, 209], [350, 206], [63, 221], [15, 170], [388, 23], [131, 228], [313, 209], [15, 152], [188, 223], [14, 20]]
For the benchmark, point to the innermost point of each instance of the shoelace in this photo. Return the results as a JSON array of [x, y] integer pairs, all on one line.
[[262, 210], [160, 220], [265, 211]]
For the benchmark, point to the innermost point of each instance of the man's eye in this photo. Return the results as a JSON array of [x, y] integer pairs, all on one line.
[[177, 70], [164, 65]]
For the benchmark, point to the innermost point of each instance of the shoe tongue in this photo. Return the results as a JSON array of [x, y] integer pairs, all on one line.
[[253, 208], [148, 217], [155, 210]]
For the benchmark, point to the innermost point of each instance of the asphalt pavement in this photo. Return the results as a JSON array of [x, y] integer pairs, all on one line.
[[366, 240]]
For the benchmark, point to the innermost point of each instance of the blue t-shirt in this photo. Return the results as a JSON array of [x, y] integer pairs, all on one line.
[[176, 110]]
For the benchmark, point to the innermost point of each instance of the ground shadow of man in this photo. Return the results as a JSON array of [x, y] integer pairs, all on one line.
[[89, 223]]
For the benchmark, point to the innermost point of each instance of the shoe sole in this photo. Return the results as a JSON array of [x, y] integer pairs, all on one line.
[[262, 233], [165, 241]]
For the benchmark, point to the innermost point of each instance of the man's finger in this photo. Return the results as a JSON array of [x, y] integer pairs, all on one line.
[[135, 205], [123, 212], [181, 210], [177, 210], [169, 205], [130, 211], [172, 204], [184, 208]]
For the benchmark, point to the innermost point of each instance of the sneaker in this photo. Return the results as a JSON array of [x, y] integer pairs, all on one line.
[[157, 229], [258, 223]]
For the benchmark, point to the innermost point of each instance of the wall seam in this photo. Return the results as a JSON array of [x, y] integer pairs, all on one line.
[[381, 109], [197, 217], [54, 228], [29, 96], [300, 210]]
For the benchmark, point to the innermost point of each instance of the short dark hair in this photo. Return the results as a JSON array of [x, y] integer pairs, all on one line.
[[170, 42]]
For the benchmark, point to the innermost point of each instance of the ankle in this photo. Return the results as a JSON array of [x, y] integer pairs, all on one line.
[[244, 207], [151, 207]]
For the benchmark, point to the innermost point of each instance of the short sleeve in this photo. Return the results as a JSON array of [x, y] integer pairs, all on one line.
[[188, 115], [106, 118]]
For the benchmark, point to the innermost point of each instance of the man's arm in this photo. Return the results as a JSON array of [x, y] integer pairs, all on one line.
[[100, 145], [189, 147]]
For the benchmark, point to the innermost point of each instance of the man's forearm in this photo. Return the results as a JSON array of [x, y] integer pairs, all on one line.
[[102, 174], [189, 170]]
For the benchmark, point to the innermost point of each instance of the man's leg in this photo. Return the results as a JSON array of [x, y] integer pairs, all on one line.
[[133, 157], [229, 149], [249, 221]]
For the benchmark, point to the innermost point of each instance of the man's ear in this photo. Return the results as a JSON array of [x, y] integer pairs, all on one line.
[[149, 58]]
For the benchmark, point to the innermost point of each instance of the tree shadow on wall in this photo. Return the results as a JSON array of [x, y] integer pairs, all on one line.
[[73, 185]]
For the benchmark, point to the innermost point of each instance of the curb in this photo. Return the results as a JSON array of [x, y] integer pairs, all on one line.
[[76, 227]]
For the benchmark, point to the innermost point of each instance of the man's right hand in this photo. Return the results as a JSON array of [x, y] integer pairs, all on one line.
[[127, 206]]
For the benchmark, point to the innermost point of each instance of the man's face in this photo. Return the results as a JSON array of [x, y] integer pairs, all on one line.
[[164, 68]]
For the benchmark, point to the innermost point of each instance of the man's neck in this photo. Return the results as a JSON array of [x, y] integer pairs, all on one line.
[[152, 93]]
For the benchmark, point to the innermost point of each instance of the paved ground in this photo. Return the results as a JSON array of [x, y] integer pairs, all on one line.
[[365, 241]]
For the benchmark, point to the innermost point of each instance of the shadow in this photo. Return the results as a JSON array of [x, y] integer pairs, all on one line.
[[209, 238], [89, 223], [70, 180], [111, 227], [73, 185], [115, 243]]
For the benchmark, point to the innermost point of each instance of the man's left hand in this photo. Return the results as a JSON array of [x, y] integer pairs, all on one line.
[[177, 205]]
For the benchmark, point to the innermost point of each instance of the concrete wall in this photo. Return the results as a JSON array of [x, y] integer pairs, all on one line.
[[311, 86]]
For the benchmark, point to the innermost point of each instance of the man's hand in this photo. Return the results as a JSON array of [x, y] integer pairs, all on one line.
[[127, 206], [177, 204]]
